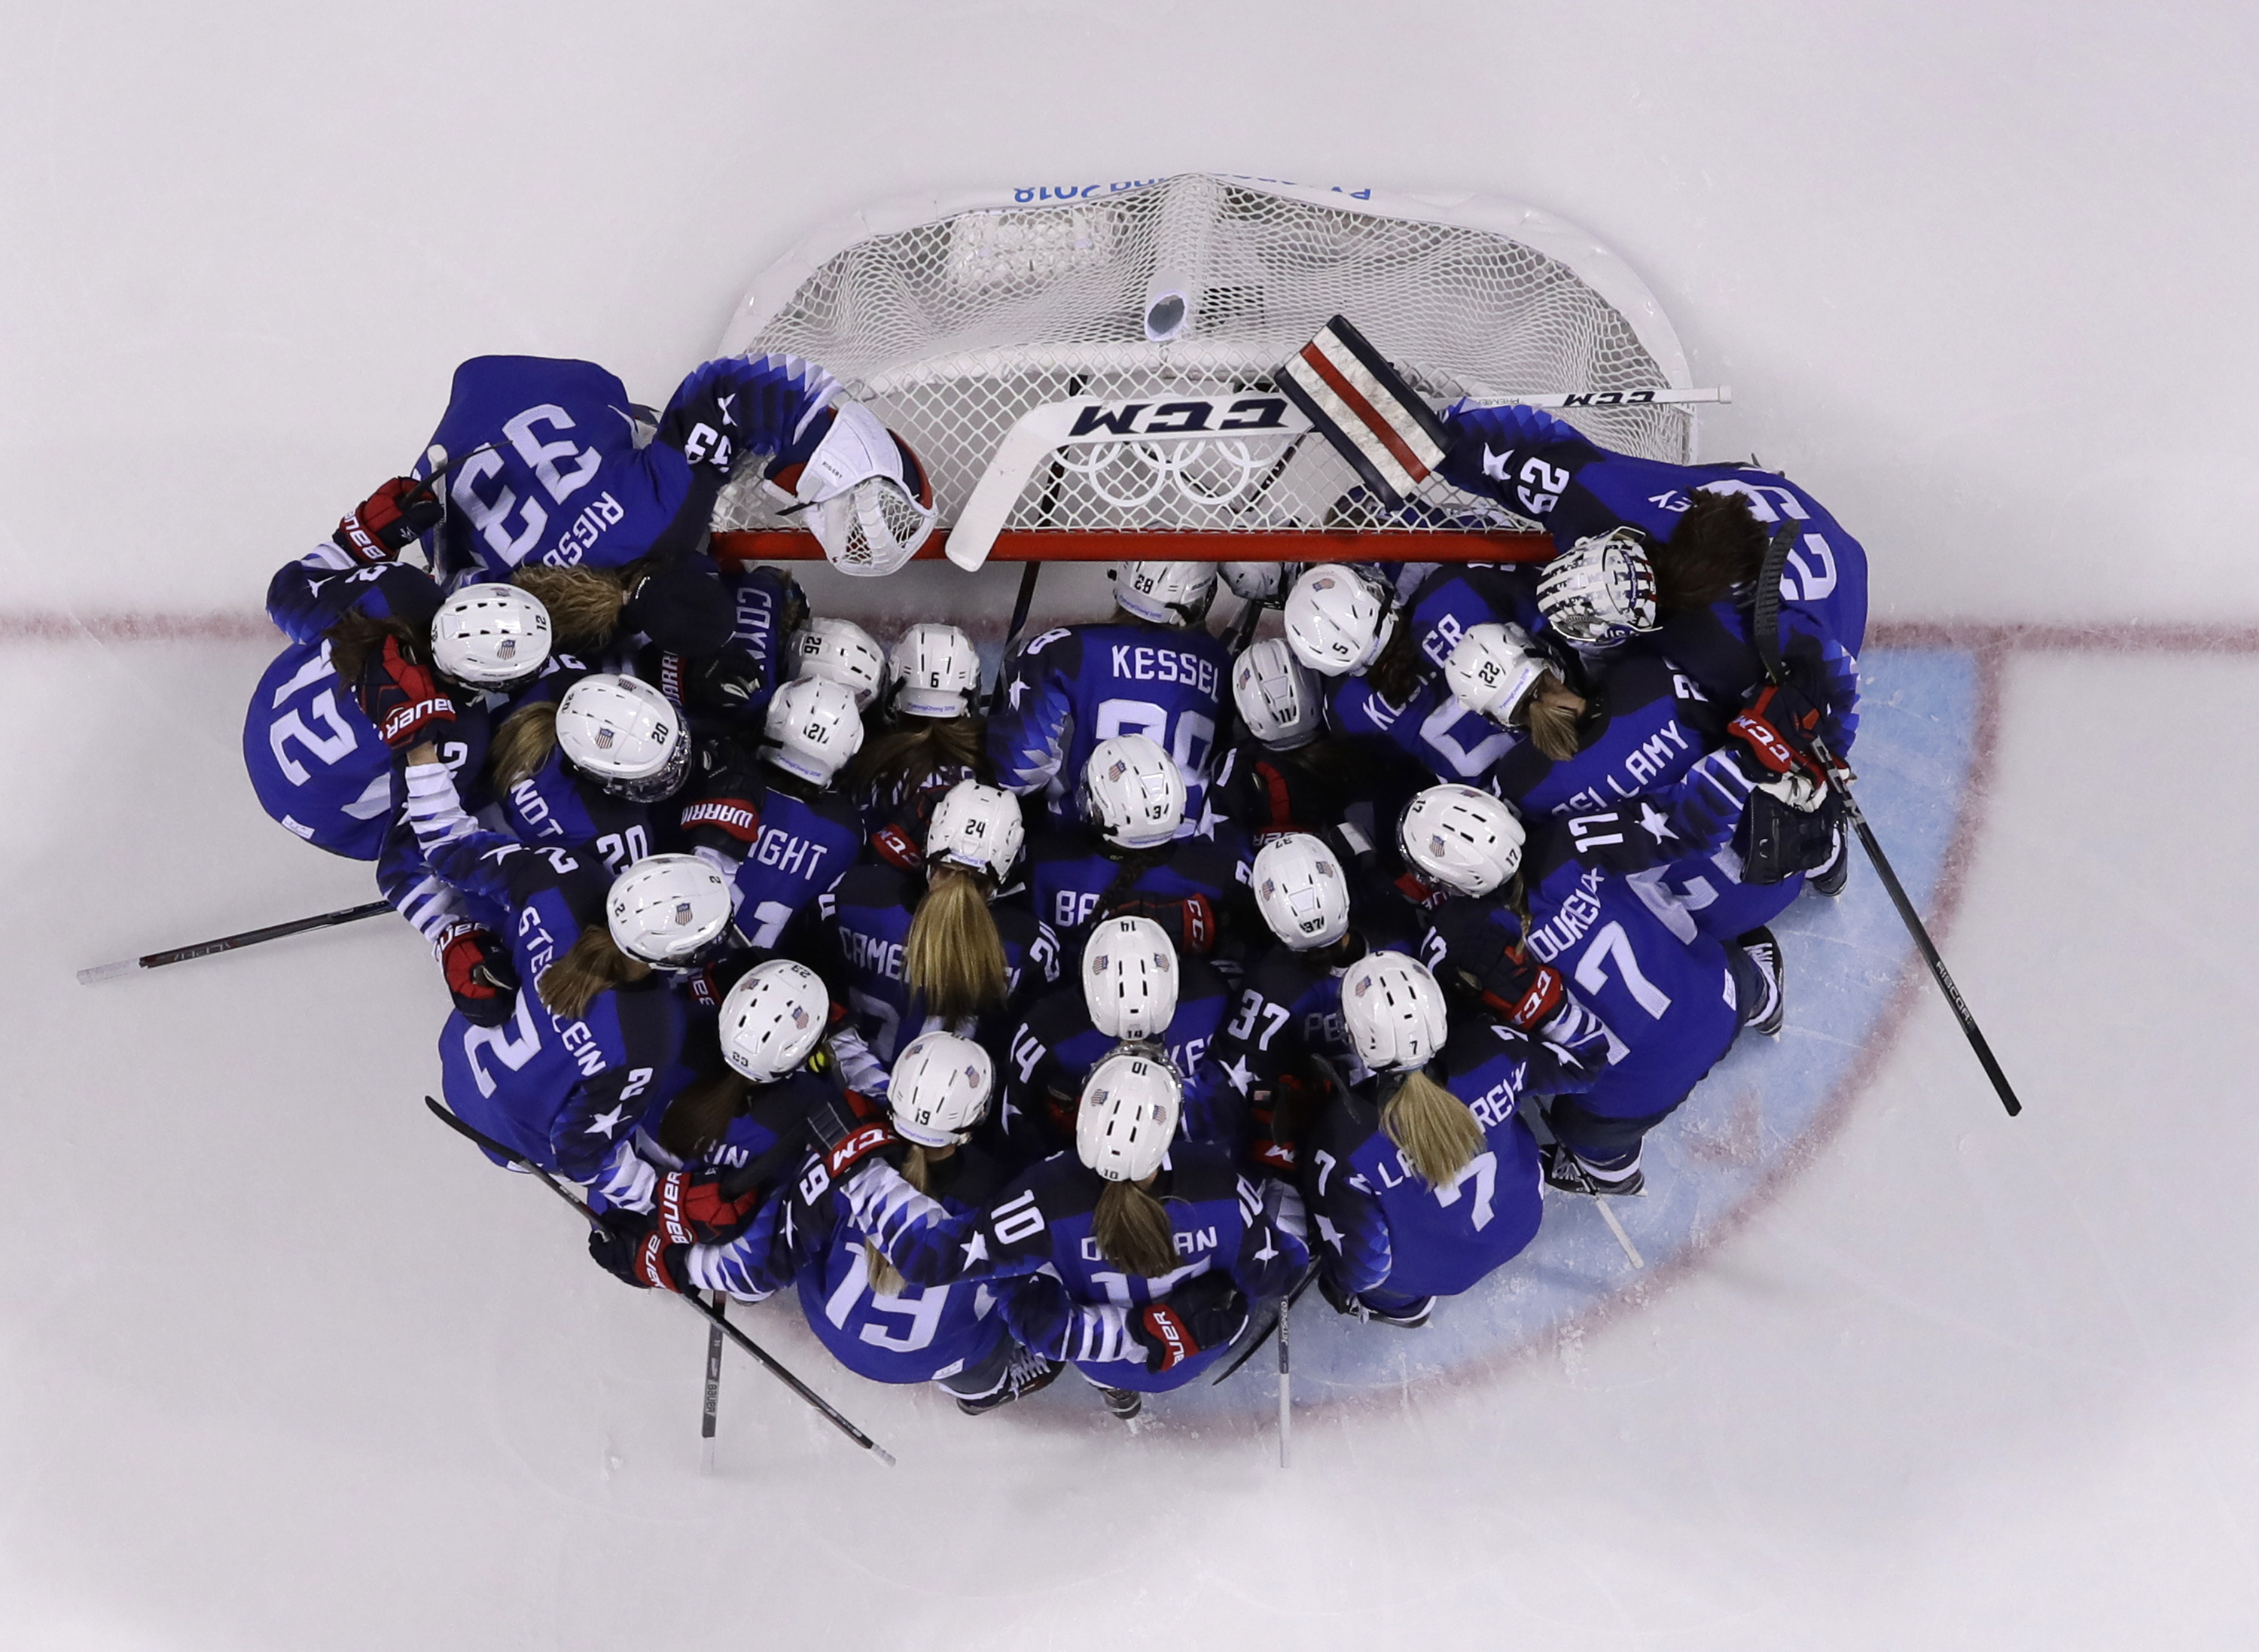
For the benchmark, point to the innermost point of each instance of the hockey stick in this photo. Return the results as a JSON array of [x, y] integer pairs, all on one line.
[[711, 1314], [1285, 1390], [1255, 1347], [713, 1383], [1541, 1127], [1020, 607], [230, 943], [1764, 636]]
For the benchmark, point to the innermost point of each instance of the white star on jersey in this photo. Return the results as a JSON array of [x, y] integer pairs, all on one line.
[[975, 1248], [604, 1123], [1012, 695], [1657, 826], [1240, 1073], [1328, 1232]]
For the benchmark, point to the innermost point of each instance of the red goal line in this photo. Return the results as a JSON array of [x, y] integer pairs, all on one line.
[[1090, 546]]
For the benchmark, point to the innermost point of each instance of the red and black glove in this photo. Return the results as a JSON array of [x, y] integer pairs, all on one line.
[[380, 527], [480, 974], [401, 696], [848, 1128], [1190, 921], [632, 1248], [1521, 992], [1776, 731], [1208, 1312], [694, 1208]]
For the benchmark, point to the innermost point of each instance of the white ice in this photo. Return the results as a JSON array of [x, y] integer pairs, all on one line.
[[282, 1365]]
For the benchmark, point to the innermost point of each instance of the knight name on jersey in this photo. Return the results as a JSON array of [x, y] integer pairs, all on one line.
[[776, 847], [1566, 928], [1645, 763], [1136, 663]]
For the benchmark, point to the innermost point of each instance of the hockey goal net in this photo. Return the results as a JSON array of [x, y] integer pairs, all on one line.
[[957, 320]]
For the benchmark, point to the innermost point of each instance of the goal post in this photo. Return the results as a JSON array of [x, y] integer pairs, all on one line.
[[1086, 371]]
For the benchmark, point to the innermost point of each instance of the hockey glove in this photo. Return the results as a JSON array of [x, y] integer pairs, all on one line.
[[692, 1207], [1189, 922], [401, 697], [380, 527], [480, 976], [847, 1129], [1208, 1312], [633, 1248], [1776, 731]]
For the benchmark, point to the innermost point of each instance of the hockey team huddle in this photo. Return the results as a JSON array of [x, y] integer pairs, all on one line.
[[1078, 1021]]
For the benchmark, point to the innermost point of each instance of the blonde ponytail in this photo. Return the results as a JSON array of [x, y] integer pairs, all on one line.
[[1552, 728], [1132, 1231], [593, 963], [696, 1119], [584, 604], [523, 743], [954, 956], [1437, 1135], [886, 1278]]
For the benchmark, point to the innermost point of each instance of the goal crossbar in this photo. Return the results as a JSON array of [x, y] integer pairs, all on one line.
[[1038, 544]]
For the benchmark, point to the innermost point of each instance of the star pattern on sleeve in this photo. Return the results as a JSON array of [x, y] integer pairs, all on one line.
[[1240, 1073], [1656, 825], [975, 1248], [604, 1123]]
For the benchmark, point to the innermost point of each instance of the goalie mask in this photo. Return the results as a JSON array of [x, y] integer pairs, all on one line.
[[668, 909], [772, 1018], [1493, 670], [625, 735], [1130, 980], [1339, 618], [1461, 839], [490, 636], [939, 1089], [935, 669], [813, 728], [1602, 590], [1276, 699], [1165, 593], [1302, 891], [870, 505], [1127, 1116], [1133, 792], [841, 651]]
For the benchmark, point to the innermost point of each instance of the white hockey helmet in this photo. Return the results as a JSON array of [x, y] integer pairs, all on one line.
[[772, 1017], [1303, 890], [842, 651], [936, 671], [1133, 792], [1167, 593], [1493, 669], [1259, 581], [976, 827], [814, 729], [1600, 590], [1461, 839], [1127, 1116], [1276, 698], [870, 505], [1339, 618], [1394, 1012], [939, 1089], [1129, 979], [668, 908], [490, 636], [626, 734]]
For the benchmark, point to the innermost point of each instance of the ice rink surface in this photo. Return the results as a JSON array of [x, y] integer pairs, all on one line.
[[282, 1365]]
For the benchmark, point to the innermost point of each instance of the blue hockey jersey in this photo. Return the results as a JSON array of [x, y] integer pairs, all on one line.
[[1068, 689]]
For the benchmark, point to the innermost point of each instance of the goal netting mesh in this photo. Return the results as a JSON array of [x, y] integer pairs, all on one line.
[[951, 330]]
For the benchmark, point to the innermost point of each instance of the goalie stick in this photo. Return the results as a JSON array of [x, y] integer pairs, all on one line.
[[712, 1315], [229, 943], [1764, 636], [713, 1383]]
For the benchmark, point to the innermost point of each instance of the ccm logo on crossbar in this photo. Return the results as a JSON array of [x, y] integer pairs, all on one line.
[[1181, 418]]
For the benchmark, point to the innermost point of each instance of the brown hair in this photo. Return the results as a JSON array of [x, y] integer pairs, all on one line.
[[954, 955], [592, 964], [886, 1278], [695, 1119], [1552, 728], [1396, 675], [1717, 546], [356, 636], [1131, 1230], [584, 604], [906, 756], [523, 743], [1439, 1136]]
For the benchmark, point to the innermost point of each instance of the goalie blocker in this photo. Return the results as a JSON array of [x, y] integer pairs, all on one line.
[[1363, 406]]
